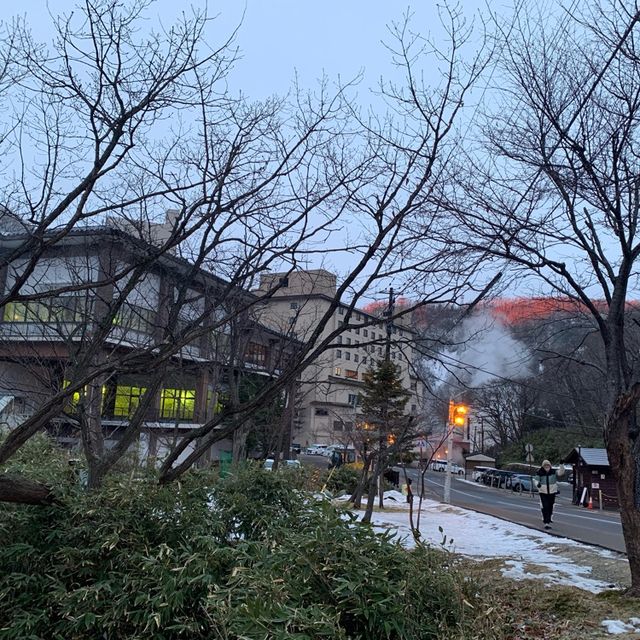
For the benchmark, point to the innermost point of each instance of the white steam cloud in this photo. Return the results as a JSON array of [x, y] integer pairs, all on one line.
[[485, 352]]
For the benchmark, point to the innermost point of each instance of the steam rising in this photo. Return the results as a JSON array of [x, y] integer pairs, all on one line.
[[485, 352]]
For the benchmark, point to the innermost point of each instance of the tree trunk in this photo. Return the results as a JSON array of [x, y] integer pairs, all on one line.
[[373, 490], [239, 443], [623, 448], [89, 416], [356, 496], [24, 491]]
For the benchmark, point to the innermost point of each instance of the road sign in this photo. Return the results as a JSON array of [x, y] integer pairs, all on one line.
[[528, 448], [529, 458], [421, 444]]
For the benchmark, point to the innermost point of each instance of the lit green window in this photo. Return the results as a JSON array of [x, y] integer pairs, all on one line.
[[14, 312], [178, 403], [127, 400], [75, 397], [56, 309]]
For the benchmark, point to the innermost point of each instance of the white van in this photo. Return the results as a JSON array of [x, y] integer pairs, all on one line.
[[441, 465], [348, 453], [316, 449]]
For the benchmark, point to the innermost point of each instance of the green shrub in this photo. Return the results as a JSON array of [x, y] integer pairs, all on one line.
[[343, 479], [251, 556]]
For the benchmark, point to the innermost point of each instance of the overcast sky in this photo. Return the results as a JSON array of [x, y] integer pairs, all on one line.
[[279, 38]]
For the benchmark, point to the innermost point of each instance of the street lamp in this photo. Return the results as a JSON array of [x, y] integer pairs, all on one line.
[[457, 417]]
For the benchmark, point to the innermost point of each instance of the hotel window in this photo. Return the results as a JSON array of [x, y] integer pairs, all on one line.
[[351, 374], [339, 339], [135, 318], [127, 400], [353, 399], [293, 305], [348, 341], [322, 412], [256, 354], [365, 333], [357, 331], [178, 404], [414, 385], [340, 323], [341, 311], [358, 317], [356, 357], [338, 353], [68, 308], [337, 371], [364, 359], [347, 355]]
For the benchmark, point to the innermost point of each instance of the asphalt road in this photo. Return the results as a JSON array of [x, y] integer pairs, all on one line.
[[601, 528], [594, 527]]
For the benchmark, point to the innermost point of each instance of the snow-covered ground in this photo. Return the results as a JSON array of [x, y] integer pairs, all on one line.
[[527, 553], [616, 627]]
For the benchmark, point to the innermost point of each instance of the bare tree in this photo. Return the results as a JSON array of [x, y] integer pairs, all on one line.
[[557, 195], [403, 156], [251, 186], [505, 408]]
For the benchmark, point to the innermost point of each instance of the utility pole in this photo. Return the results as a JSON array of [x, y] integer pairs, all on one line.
[[383, 431], [389, 314], [447, 478]]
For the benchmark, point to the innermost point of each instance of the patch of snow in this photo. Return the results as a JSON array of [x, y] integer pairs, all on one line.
[[394, 496], [616, 627], [482, 536]]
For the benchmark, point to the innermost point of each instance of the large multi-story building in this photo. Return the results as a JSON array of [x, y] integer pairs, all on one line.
[[59, 313], [328, 396]]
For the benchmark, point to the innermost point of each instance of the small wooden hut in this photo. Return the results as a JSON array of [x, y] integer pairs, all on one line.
[[591, 470]]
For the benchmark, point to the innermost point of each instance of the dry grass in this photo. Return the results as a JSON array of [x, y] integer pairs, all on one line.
[[527, 610]]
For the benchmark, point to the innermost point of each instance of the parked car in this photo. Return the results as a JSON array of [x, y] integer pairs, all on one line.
[[347, 454], [296, 448], [441, 465], [522, 482], [487, 476], [285, 464], [478, 472], [502, 479], [316, 449]]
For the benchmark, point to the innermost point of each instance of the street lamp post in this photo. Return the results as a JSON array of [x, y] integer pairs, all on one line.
[[456, 418]]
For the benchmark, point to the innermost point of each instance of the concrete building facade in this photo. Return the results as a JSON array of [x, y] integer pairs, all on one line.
[[67, 294], [327, 403]]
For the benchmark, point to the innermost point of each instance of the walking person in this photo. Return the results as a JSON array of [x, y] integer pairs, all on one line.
[[547, 483]]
